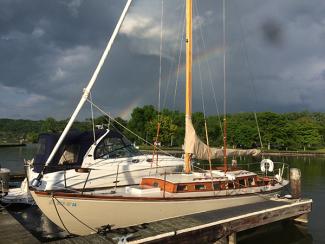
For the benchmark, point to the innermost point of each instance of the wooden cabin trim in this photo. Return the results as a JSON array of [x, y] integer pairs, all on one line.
[[239, 183]]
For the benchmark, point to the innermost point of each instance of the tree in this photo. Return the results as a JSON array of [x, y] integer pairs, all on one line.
[[306, 132], [32, 137], [166, 132], [140, 117], [49, 125]]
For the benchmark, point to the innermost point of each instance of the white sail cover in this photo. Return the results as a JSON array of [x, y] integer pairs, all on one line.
[[195, 146]]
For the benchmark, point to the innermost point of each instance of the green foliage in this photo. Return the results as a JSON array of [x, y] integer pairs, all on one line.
[[288, 131], [32, 137], [166, 132], [140, 118]]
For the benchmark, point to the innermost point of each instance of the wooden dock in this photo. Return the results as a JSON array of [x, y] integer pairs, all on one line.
[[11, 231], [218, 226]]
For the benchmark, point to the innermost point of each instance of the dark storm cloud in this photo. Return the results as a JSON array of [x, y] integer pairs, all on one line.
[[49, 50], [272, 31]]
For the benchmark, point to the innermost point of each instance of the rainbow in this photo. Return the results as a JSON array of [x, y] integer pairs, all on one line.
[[203, 58]]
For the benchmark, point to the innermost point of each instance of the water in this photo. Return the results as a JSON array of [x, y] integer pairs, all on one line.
[[313, 186], [13, 157]]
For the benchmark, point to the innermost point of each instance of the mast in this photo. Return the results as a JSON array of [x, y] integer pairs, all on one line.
[[188, 98], [224, 88]]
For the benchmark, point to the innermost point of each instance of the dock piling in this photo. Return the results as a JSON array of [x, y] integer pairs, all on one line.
[[232, 239], [302, 219], [295, 183]]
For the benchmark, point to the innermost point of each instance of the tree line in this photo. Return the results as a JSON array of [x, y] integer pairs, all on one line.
[[286, 131]]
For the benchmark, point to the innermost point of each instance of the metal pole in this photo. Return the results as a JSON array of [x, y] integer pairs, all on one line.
[[36, 182], [118, 166], [83, 189]]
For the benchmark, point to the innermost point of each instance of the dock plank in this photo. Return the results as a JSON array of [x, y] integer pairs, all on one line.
[[11, 231]]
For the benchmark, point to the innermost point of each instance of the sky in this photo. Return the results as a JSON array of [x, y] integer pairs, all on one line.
[[275, 56]]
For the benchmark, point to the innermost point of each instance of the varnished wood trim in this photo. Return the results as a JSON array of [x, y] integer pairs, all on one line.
[[167, 199]]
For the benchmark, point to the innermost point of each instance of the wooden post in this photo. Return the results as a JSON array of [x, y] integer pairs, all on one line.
[[295, 182], [222, 240], [4, 180], [302, 219], [232, 239]]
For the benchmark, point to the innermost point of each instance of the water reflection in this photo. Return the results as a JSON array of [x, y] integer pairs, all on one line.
[[279, 233], [35, 222]]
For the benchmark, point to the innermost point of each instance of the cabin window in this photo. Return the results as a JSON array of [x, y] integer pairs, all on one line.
[[70, 154], [155, 184], [114, 148], [241, 183], [216, 186], [231, 185], [181, 188], [200, 187], [251, 182], [260, 183]]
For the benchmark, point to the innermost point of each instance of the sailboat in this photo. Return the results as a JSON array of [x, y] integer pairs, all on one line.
[[97, 159], [165, 195]]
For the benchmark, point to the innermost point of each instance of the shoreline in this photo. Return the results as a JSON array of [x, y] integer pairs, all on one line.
[[266, 153], [13, 145]]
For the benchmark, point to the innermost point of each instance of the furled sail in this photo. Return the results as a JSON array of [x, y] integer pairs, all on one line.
[[195, 146]]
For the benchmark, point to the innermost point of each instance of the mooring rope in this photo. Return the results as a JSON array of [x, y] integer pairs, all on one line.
[[57, 212], [71, 215]]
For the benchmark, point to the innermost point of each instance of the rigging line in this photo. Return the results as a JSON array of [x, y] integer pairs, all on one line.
[[173, 60], [155, 146], [204, 112], [179, 58], [160, 55], [92, 118], [124, 127], [201, 82], [259, 132], [209, 72], [251, 75], [224, 55]]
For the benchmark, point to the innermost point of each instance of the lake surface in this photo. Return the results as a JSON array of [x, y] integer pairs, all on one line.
[[313, 186]]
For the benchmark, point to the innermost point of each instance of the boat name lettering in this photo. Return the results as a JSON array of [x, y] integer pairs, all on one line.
[[64, 203]]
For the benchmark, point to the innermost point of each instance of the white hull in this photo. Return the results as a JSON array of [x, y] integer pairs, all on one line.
[[19, 195], [78, 213], [103, 173]]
